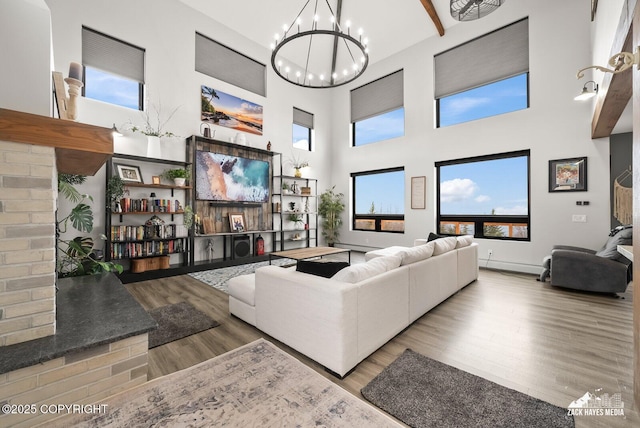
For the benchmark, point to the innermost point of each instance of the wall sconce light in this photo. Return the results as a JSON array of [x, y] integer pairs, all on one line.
[[620, 62], [586, 92], [116, 133]]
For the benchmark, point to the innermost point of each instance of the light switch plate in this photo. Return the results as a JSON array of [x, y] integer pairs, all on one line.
[[579, 218]]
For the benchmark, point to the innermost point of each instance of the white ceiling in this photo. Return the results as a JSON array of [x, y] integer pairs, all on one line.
[[391, 26]]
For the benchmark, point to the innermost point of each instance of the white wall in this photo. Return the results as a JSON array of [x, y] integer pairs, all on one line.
[[553, 127], [167, 31], [25, 49]]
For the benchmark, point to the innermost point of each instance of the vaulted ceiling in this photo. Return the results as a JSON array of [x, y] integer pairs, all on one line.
[[391, 26]]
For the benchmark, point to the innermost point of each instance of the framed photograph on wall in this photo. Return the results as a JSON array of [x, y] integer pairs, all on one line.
[[568, 175], [237, 222], [128, 173]]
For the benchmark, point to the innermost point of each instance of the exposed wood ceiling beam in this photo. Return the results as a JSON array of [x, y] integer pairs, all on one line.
[[428, 6], [615, 89]]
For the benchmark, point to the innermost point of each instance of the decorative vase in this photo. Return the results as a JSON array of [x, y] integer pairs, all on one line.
[[179, 181], [297, 173], [153, 147]]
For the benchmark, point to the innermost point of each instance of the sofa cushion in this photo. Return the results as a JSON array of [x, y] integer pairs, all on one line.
[[243, 288], [324, 269], [417, 253], [464, 241], [361, 271], [444, 245]]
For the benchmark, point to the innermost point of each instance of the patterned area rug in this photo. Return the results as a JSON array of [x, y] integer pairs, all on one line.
[[218, 278], [422, 392], [255, 385], [177, 321]]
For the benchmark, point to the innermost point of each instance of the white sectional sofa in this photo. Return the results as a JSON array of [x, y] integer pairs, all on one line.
[[341, 320]]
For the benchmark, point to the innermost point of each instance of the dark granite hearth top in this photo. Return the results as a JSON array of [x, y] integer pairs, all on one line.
[[91, 311]]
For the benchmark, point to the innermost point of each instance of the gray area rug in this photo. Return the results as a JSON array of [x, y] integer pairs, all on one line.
[[256, 385], [423, 392], [218, 278], [177, 321]]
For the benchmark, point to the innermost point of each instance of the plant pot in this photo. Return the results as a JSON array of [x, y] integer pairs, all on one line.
[[154, 150], [179, 181], [297, 173]]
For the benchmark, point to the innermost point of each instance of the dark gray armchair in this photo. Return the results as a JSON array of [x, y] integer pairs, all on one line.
[[603, 271]]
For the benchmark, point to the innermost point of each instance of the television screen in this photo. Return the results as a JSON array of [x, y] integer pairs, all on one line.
[[229, 178]]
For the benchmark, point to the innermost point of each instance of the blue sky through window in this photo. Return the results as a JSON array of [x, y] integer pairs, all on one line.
[[385, 190], [489, 100], [479, 187], [382, 127], [300, 137], [107, 87]]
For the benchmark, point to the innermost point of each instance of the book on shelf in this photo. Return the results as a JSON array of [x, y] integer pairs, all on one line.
[[151, 205], [139, 233], [129, 250]]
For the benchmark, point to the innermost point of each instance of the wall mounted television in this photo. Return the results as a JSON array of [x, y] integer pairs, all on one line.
[[231, 179]]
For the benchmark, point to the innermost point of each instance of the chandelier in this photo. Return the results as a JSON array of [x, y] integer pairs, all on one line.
[[469, 10], [316, 51]]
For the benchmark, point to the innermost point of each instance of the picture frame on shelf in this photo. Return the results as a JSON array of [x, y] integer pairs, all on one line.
[[237, 222], [155, 179], [129, 173], [568, 175]]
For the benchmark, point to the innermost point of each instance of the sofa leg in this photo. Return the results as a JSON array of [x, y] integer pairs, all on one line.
[[334, 374]]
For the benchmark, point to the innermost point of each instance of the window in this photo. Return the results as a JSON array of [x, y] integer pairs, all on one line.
[[113, 70], [218, 61], [302, 129], [378, 200], [486, 196], [484, 77], [377, 110]]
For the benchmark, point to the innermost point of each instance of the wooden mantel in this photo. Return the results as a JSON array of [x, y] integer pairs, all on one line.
[[80, 148]]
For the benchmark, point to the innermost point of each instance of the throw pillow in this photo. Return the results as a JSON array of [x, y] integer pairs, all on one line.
[[320, 268], [610, 249], [444, 245], [464, 241], [417, 253], [433, 237], [361, 271]]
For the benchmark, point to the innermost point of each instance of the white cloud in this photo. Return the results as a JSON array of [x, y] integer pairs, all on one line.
[[251, 108], [457, 189], [462, 105], [482, 198], [515, 210]]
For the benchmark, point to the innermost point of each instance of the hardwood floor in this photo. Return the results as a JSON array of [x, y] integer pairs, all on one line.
[[550, 343]]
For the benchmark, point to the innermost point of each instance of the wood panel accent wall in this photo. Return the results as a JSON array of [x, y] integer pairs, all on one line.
[[636, 212], [257, 216]]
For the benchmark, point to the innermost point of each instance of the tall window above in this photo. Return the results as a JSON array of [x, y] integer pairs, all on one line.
[[484, 77], [377, 110], [221, 62], [378, 200], [302, 129], [486, 196], [113, 70]]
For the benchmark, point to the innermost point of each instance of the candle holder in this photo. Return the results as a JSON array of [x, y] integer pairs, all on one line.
[[74, 92]]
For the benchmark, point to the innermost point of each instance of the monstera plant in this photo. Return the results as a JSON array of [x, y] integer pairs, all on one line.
[[77, 256]]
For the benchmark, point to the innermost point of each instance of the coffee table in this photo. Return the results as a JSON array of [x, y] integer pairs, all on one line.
[[309, 253]]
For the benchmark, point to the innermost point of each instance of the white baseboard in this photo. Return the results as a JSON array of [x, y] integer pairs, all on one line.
[[510, 266]]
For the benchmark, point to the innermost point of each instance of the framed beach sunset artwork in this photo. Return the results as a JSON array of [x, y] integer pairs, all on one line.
[[226, 110]]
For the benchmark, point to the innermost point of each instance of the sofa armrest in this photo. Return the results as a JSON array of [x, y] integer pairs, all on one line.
[[569, 247], [585, 271], [316, 316], [420, 241]]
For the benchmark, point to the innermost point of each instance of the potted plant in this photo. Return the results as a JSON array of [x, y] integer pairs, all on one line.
[[286, 189], [298, 163], [154, 130], [178, 175], [115, 191], [330, 208]]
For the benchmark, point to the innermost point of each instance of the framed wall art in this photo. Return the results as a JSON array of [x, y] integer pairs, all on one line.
[[568, 175], [128, 173], [237, 222], [222, 109], [418, 193]]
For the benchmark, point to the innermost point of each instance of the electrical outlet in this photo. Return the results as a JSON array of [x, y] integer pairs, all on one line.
[[490, 253]]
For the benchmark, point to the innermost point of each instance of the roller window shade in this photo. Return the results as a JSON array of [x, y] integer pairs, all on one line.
[[495, 56], [223, 63], [380, 96], [112, 55], [302, 118]]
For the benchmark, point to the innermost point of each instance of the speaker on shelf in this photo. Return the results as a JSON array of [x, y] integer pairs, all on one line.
[[241, 246]]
